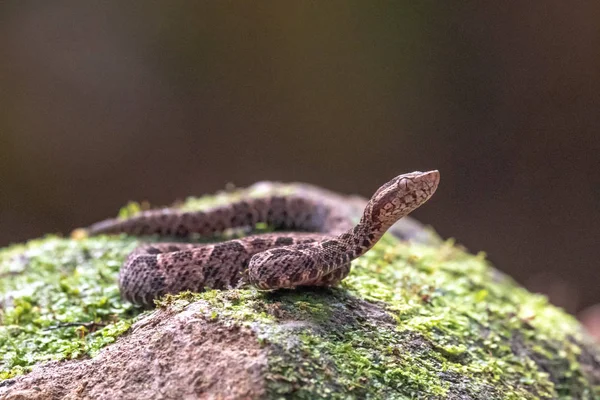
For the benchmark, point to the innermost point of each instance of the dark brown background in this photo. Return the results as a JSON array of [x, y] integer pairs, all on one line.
[[105, 103]]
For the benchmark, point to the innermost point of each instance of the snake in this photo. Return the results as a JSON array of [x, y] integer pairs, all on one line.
[[314, 239]]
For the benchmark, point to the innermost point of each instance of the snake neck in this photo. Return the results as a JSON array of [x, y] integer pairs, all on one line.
[[372, 226], [359, 239]]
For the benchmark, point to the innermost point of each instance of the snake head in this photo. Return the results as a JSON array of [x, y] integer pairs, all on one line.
[[401, 195]]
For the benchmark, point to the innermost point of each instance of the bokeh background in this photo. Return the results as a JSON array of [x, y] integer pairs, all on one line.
[[106, 102]]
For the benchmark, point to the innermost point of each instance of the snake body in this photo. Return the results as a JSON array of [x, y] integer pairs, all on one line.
[[323, 240]]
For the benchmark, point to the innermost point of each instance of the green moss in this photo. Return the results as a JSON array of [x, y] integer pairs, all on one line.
[[411, 321], [59, 300]]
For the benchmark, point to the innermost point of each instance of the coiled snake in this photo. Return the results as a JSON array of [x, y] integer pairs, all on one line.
[[270, 260]]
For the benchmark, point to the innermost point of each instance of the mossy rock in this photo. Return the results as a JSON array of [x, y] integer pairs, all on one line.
[[412, 321]]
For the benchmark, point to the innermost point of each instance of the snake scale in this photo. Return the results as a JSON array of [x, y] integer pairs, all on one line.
[[321, 240]]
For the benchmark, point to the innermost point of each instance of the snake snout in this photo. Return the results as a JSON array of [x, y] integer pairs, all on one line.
[[431, 179]]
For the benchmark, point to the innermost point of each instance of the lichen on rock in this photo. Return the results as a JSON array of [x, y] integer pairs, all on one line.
[[412, 321]]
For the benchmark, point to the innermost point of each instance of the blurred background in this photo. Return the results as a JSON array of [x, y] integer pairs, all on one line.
[[106, 102]]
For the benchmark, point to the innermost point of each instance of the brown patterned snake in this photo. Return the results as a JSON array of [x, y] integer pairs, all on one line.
[[267, 261]]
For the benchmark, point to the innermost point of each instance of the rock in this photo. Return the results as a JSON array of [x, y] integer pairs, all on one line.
[[412, 321], [167, 354]]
